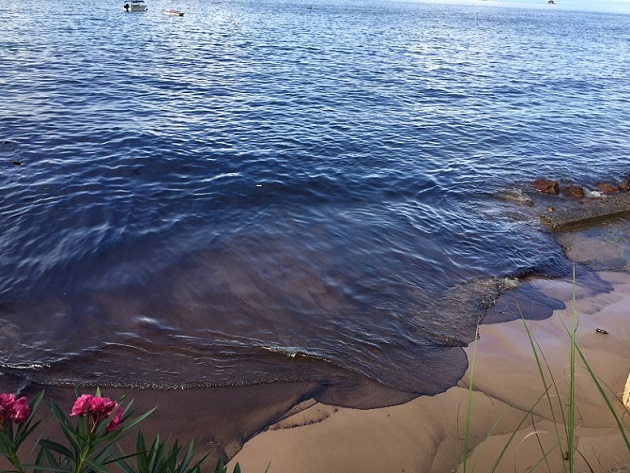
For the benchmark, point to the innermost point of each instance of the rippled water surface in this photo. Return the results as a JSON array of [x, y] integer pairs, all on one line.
[[263, 191]]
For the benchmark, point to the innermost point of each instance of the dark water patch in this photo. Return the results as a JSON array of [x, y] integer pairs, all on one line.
[[525, 301], [528, 300], [287, 304]]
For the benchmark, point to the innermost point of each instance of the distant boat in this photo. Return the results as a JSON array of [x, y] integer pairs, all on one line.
[[135, 5], [174, 12], [551, 2]]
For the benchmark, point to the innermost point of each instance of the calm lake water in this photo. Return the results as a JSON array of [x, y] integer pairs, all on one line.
[[268, 191]]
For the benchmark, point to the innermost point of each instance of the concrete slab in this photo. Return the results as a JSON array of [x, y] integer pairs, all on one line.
[[589, 213]]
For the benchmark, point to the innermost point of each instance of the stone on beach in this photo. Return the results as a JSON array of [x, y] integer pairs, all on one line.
[[546, 186], [607, 188], [573, 190]]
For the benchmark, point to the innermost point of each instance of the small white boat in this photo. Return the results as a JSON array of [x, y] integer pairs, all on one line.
[[135, 5], [174, 12]]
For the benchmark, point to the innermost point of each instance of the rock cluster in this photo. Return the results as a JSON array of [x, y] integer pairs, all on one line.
[[597, 203], [548, 186]]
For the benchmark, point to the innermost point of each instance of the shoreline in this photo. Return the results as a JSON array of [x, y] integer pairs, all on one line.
[[286, 425], [422, 435]]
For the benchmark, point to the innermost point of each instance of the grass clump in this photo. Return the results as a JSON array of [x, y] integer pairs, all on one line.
[[562, 409]]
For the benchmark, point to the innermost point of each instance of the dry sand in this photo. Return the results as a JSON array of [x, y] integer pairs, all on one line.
[[427, 434]]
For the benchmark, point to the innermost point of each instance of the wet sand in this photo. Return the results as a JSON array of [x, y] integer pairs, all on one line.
[[285, 427], [427, 433], [299, 427]]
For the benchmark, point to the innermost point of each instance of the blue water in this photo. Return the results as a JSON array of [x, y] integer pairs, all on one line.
[[265, 191]]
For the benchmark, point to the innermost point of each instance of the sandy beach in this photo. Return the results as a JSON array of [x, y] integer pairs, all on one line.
[[427, 433], [287, 428]]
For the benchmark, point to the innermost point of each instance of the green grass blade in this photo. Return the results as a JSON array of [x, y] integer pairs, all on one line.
[[609, 405], [469, 401], [571, 414], [515, 431], [538, 354]]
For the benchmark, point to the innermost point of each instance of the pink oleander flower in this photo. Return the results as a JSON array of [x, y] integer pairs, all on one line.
[[103, 406], [115, 422], [21, 410], [13, 410], [97, 408], [82, 405]]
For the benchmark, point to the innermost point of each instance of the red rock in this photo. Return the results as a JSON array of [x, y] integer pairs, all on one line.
[[606, 188], [546, 186], [624, 186], [574, 191]]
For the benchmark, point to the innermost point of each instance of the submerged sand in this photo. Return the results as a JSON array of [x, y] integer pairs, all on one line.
[[427, 434]]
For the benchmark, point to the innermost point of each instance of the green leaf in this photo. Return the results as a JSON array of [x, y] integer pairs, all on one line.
[[56, 447], [27, 428], [71, 433], [96, 466], [47, 462], [137, 420], [220, 468]]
